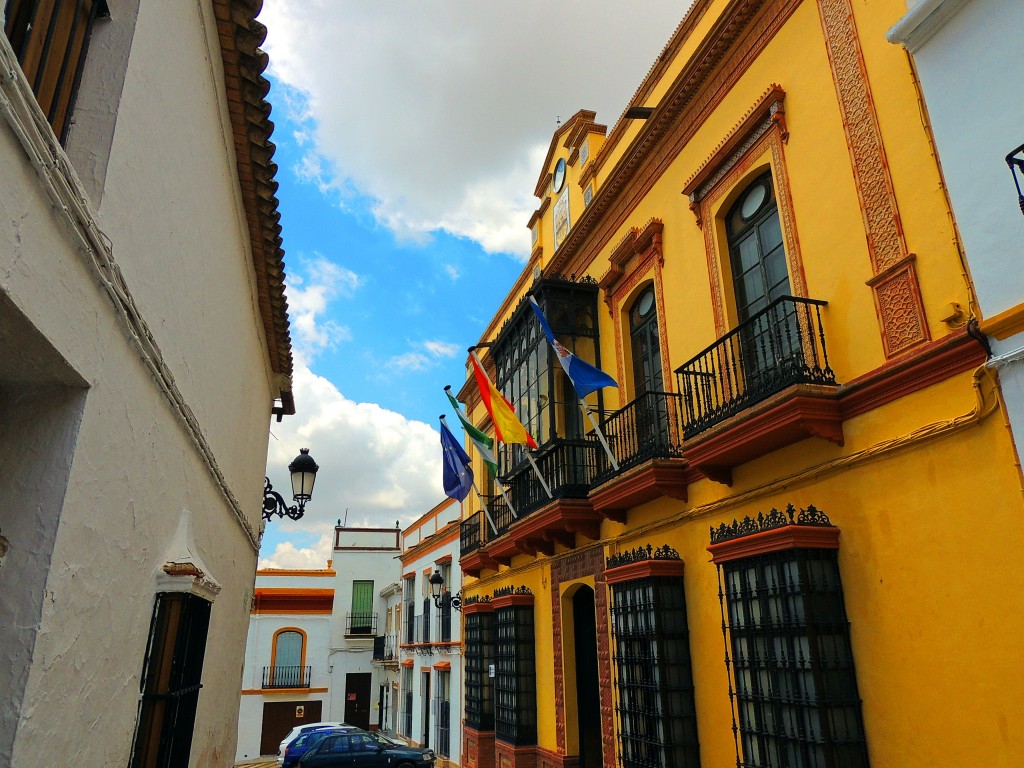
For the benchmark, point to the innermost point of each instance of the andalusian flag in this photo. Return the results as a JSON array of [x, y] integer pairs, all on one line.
[[507, 426], [483, 443]]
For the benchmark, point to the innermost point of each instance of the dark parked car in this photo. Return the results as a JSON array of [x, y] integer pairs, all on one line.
[[359, 749], [306, 741]]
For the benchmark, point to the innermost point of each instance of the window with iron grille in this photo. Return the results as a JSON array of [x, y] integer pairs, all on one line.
[[795, 685], [656, 711], [171, 681], [479, 655], [442, 714], [426, 619], [50, 40], [525, 367], [407, 702], [515, 682]]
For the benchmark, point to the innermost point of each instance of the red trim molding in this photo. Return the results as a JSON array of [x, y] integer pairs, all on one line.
[[508, 601], [644, 569], [558, 522], [775, 540], [481, 607], [649, 481], [408, 663]]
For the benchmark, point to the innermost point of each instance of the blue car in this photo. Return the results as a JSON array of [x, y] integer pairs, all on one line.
[[306, 741], [359, 749]]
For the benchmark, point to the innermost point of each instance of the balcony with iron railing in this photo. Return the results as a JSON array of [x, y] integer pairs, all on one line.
[[764, 385], [286, 677], [409, 630], [360, 624], [385, 649]]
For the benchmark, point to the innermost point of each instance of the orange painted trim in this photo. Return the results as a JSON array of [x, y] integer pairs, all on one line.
[[477, 608], [425, 669], [278, 691], [432, 542], [1005, 324], [643, 570], [407, 663], [775, 540], [443, 560], [429, 515], [409, 575], [321, 572], [508, 601], [443, 665], [298, 601]]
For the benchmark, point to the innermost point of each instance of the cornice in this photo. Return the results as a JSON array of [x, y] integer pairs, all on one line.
[[240, 37]]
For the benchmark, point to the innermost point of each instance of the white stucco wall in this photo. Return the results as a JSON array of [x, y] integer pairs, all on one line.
[[172, 215], [970, 59]]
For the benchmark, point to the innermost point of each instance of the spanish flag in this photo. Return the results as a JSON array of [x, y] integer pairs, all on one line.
[[507, 427]]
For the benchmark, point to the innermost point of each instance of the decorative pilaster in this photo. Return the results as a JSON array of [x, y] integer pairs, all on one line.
[[894, 284]]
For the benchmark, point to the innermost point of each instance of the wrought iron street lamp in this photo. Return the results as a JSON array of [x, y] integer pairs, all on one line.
[[303, 470], [1015, 160], [437, 590]]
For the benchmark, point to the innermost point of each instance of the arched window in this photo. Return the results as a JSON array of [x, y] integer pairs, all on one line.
[[756, 254], [645, 343], [651, 412], [288, 671], [759, 277]]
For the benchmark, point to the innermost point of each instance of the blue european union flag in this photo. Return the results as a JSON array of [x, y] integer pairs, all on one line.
[[458, 475]]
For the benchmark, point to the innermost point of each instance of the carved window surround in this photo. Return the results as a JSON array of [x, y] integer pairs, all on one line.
[[756, 139], [767, 112], [637, 257]]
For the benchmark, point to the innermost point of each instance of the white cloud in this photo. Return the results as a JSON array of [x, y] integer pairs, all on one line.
[[440, 111], [441, 348], [287, 555], [309, 294], [427, 354], [375, 463], [453, 271]]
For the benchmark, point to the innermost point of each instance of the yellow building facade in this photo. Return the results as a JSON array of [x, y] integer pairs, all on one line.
[[775, 569]]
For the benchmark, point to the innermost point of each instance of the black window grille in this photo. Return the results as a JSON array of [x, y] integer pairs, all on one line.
[[795, 687], [515, 683], [171, 681], [444, 618], [426, 620], [479, 655], [442, 714], [407, 703], [50, 40], [656, 711], [410, 622]]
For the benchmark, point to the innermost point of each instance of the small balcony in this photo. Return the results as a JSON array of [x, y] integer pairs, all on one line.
[[774, 370], [470, 536], [385, 649], [360, 624], [286, 677]]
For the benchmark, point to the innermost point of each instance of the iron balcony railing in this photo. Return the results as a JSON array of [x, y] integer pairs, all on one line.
[[568, 466], [422, 629], [286, 677], [444, 620], [441, 712], [469, 534], [782, 345], [385, 647], [360, 623], [647, 428]]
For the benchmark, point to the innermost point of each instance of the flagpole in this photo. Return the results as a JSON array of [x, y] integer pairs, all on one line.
[[483, 508], [600, 434], [504, 495], [536, 470]]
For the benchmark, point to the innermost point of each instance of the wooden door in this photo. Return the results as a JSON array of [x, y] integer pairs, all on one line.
[[357, 699], [279, 717]]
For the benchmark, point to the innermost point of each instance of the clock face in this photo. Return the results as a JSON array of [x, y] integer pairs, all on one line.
[[559, 179]]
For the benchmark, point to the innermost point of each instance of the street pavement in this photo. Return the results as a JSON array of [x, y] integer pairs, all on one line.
[[257, 762]]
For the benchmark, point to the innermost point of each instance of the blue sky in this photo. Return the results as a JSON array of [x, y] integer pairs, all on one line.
[[410, 137]]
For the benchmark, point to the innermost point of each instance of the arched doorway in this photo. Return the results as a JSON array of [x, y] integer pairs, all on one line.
[[588, 691]]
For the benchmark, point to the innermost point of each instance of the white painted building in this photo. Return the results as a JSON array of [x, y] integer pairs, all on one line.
[[430, 685], [312, 636], [970, 61], [386, 656], [143, 348]]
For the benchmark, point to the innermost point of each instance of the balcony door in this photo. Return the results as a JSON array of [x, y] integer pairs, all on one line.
[[287, 671], [759, 277], [648, 381]]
